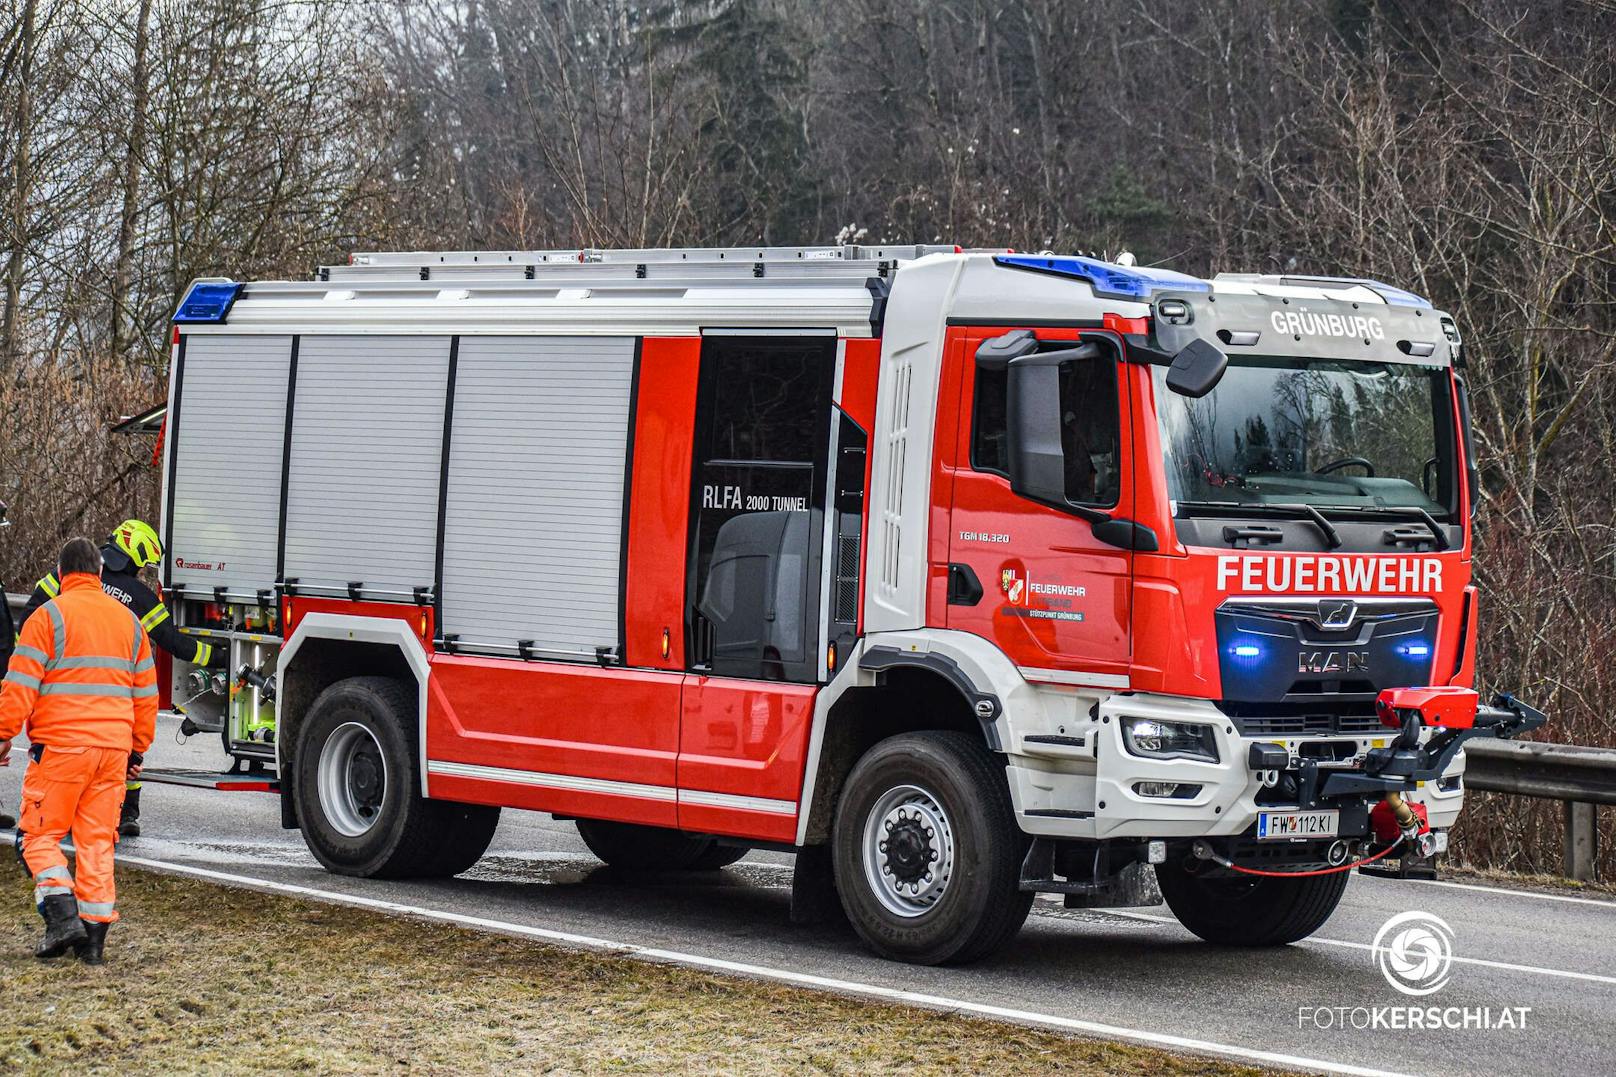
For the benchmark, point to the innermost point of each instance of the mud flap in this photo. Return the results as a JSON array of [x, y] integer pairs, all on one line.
[[813, 888]]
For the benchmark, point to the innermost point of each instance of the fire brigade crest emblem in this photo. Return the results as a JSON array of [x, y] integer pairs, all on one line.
[[1012, 585]]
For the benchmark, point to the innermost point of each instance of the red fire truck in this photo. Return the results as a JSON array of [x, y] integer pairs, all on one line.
[[964, 575]]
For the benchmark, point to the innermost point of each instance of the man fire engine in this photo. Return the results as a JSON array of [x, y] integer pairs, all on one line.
[[131, 547], [966, 575]]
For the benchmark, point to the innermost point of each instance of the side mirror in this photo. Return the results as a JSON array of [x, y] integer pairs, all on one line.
[[1472, 474], [1033, 414], [1196, 369]]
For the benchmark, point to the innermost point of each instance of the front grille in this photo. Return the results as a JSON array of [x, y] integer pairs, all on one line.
[[1282, 720], [1290, 651]]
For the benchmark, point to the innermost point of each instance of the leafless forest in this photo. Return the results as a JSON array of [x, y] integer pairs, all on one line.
[[1466, 150]]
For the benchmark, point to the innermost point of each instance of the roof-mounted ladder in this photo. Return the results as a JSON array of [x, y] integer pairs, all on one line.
[[809, 265]]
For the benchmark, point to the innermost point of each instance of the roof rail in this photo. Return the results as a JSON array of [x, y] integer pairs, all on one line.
[[1392, 295], [706, 255]]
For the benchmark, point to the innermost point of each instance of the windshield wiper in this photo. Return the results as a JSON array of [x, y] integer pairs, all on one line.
[[1439, 534], [1278, 508]]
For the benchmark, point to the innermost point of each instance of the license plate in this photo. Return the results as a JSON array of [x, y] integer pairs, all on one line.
[[1286, 825]]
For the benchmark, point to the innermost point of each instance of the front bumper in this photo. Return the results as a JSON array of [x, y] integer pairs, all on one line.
[[1227, 795], [1091, 785]]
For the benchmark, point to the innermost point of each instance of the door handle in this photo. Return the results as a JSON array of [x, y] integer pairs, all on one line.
[[964, 589], [704, 640], [1256, 534]]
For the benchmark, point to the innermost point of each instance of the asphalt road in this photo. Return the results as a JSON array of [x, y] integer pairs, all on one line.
[[1131, 969]]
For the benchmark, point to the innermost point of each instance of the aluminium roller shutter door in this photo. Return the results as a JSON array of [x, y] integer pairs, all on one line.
[[228, 435], [367, 444], [533, 527]]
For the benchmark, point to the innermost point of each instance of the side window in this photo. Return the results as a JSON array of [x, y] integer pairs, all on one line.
[[1091, 428], [763, 418]]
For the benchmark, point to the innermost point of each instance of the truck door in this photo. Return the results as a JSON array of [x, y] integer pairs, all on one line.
[[755, 631], [1032, 577]]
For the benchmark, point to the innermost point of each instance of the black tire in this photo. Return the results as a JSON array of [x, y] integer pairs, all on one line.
[[719, 856], [1250, 910], [633, 847], [408, 835], [980, 905]]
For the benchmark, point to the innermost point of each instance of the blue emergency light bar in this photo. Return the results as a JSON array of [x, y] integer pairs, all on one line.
[[1109, 280], [207, 303]]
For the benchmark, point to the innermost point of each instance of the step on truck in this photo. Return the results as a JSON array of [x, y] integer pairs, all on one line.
[[966, 576]]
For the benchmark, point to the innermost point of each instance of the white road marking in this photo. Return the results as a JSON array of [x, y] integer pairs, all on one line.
[[1591, 977], [1606, 903], [1314, 940], [764, 972]]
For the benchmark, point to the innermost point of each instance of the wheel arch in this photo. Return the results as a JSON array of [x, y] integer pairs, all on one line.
[[903, 683], [330, 647]]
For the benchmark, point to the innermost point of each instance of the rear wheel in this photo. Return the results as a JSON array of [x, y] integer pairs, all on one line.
[[1250, 910], [926, 850], [358, 789], [653, 848]]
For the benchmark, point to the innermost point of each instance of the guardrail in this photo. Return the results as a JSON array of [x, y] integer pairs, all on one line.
[[1581, 778]]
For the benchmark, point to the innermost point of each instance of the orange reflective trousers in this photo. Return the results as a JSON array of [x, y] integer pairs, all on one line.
[[78, 790]]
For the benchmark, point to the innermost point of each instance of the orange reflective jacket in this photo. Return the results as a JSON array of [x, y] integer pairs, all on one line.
[[82, 675]]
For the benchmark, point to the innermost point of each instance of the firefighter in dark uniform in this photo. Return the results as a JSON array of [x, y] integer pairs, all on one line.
[[133, 546]]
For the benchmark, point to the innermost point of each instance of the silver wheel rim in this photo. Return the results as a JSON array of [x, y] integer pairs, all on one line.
[[352, 779], [908, 851]]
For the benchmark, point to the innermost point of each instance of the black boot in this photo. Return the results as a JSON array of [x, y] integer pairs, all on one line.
[[129, 819], [63, 928], [89, 951]]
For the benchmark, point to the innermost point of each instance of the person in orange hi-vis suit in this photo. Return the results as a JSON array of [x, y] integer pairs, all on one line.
[[83, 682]]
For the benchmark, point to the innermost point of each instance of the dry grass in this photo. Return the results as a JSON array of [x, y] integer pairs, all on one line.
[[207, 979]]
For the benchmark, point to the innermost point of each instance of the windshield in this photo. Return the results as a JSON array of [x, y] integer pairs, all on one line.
[[1315, 432]]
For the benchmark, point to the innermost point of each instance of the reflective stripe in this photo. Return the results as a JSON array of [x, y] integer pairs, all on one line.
[[154, 617], [97, 908], [91, 662], [141, 667], [145, 692], [60, 627], [115, 690], [42, 892], [58, 872], [24, 679], [131, 786], [25, 651], [204, 653], [49, 585]]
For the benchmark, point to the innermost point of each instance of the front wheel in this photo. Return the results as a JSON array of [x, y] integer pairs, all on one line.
[[1250, 910], [926, 850], [358, 789]]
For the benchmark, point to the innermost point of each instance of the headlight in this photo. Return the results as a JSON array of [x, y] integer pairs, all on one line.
[[1156, 739]]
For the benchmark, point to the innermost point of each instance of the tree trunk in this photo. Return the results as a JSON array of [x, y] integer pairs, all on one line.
[[123, 271], [11, 331]]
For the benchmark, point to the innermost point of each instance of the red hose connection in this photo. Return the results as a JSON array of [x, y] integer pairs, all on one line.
[[1232, 866]]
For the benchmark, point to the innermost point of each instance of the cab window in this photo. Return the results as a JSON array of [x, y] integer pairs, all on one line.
[[1091, 425]]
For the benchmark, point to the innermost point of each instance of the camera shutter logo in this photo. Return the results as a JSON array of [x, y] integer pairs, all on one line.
[[1415, 952]]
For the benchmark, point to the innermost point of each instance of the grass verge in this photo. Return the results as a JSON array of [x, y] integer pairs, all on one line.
[[201, 978]]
